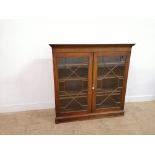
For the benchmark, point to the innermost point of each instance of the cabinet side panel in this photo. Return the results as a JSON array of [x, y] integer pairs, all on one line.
[[56, 85]]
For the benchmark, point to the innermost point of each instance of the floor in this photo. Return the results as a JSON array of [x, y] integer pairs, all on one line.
[[139, 118]]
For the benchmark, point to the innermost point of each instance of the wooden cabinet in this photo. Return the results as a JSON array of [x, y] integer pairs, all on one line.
[[90, 80]]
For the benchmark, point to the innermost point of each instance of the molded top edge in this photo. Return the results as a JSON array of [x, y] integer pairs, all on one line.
[[91, 45]]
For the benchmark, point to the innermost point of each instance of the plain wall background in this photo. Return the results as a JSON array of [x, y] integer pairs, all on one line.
[[26, 73]]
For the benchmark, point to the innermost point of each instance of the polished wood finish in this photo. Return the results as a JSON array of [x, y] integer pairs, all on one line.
[[89, 116], [91, 45], [92, 52]]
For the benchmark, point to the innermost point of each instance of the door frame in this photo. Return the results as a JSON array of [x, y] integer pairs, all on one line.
[[110, 53], [56, 81]]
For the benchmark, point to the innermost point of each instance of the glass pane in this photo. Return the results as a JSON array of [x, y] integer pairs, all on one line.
[[110, 74], [73, 83]]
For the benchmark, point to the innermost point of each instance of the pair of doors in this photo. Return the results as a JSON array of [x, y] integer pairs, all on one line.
[[89, 82]]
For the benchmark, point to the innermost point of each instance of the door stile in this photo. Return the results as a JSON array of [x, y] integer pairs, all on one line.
[[94, 82], [127, 63], [90, 78]]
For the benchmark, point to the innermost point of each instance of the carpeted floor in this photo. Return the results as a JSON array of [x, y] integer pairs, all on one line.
[[139, 118]]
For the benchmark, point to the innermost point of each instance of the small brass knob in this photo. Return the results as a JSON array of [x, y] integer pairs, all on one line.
[[93, 87]]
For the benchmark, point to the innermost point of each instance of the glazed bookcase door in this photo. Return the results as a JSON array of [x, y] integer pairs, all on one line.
[[109, 74], [74, 78]]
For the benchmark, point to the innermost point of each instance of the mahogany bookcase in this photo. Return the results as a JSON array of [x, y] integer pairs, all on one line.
[[90, 80]]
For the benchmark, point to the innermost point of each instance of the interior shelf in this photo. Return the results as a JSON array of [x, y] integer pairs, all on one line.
[[109, 90], [86, 79], [111, 63], [84, 93], [73, 78], [72, 94], [86, 64], [73, 65], [108, 104], [109, 77]]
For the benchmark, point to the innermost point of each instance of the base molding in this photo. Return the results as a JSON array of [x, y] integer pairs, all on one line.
[[25, 107], [140, 98], [64, 119]]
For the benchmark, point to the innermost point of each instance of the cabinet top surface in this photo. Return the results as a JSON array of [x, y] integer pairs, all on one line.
[[91, 45]]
